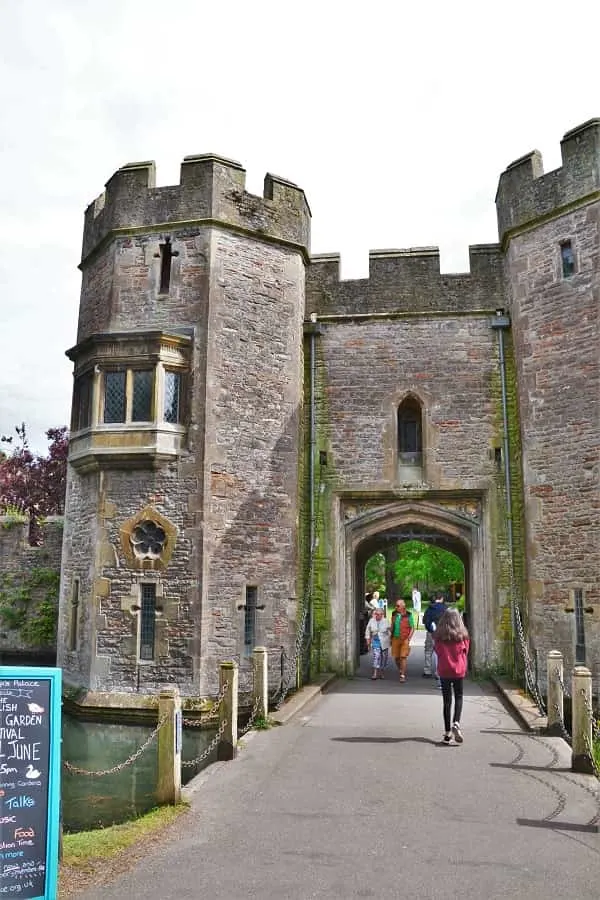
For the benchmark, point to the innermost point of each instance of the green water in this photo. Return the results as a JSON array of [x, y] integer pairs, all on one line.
[[96, 802]]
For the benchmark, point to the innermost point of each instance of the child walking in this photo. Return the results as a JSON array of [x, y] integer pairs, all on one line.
[[451, 643], [377, 636]]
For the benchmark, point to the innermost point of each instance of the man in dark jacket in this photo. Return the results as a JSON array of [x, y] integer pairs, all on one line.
[[432, 616]]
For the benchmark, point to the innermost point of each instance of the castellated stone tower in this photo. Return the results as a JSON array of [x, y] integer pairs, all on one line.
[[549, 227], [181, 531]]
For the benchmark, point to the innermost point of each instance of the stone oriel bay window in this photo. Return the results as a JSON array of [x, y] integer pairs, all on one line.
[[129, 399]]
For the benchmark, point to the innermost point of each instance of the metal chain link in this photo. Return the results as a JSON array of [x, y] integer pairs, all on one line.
[[118, 768], [559, 716], [561, 725], [252, 718], [214, 710], [206, 753], [595, 733], [530, 678], [289, 672], [563, 686]]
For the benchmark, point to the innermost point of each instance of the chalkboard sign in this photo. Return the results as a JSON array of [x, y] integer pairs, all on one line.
[[30, 713]]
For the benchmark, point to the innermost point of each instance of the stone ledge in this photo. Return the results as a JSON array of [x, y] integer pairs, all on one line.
[[301, 698], [521, 705]]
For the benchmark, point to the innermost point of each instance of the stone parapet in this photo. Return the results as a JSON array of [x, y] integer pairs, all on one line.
[[525, 194], [211, 189], [406, 280]]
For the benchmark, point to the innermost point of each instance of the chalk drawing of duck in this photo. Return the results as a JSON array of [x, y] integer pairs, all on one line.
[[34, 708], [31, 772]]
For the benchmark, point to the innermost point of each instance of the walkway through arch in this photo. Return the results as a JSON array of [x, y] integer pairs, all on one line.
[[375, 529]]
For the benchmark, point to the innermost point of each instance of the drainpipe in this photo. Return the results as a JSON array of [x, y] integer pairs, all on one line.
[[311, 475], [501, 323], [312, 329]]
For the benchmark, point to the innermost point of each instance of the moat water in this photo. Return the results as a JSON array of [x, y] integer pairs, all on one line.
[[96, 802]]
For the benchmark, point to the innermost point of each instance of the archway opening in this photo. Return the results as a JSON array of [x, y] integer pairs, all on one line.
[[413, 565]]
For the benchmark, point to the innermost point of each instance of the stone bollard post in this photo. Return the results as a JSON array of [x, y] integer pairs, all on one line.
[[168, 789], [228, 711], [260, 695], [581, 760], [556, 699]]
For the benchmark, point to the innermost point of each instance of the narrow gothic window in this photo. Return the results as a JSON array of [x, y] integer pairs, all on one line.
[[166, 257], [143, 394], [172, 408], [147, 621], [410, 446], [114, 397], [74, 615], [579, 628], [250, 619], [567, 259]]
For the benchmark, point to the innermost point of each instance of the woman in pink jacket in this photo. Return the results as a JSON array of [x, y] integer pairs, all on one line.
[[451, 643]]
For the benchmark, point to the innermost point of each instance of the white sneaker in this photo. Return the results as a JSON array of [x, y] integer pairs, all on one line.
[[457, 733]]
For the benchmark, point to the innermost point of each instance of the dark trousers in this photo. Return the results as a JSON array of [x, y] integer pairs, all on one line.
[[449, 684]]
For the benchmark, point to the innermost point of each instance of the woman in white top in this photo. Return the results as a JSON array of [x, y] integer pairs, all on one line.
[[377, 636]]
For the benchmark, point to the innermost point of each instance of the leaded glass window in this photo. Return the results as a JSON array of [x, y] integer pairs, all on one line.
[[579, 629], [410, 446], [250, 619], [143, 394], [114, 396], [147, 621], [567, 259], [172, 407], [82, 402]]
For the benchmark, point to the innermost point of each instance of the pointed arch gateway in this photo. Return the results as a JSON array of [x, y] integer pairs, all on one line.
[[457, 527]]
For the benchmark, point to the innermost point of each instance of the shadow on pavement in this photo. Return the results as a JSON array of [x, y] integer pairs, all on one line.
[[388, 740]]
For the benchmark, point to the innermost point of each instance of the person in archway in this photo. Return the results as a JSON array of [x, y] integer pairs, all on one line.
[[377, 636], [451, 642], [432, 615], [402, 628]]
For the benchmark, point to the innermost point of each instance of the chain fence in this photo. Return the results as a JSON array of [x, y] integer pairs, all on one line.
[[595, 734], [76, 770], [208, 750], [212, 714], [531, 682], [561, 722]]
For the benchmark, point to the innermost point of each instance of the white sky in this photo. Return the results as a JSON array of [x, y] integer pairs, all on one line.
[[395, 118]]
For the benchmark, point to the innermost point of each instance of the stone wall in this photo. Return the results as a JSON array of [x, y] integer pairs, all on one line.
[[556, 329], [20, 564]]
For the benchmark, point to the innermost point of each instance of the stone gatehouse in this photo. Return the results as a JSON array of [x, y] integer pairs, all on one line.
[[248, 428]]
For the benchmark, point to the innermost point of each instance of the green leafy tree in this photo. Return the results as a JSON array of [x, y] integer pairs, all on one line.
[[427, 565], [375, 573]]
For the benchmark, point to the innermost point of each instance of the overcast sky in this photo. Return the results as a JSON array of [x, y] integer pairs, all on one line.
[[396, 118]]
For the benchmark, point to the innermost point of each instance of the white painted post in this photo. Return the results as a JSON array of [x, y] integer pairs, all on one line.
[[228, 711], [168, 789], [556, 704], [581, 760], [260, 695]]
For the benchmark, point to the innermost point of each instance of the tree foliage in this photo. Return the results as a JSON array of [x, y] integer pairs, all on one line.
[[423, 564], [375, 573], [33, 483], [416, 563]]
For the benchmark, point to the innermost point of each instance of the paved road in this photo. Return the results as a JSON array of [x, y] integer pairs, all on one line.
[[358, 798]]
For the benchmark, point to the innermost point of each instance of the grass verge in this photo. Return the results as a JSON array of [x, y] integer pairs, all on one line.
[[85, 853]]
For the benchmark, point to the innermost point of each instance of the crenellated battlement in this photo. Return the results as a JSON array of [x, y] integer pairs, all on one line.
[[406, 281], [525, 193], [211, 188]]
